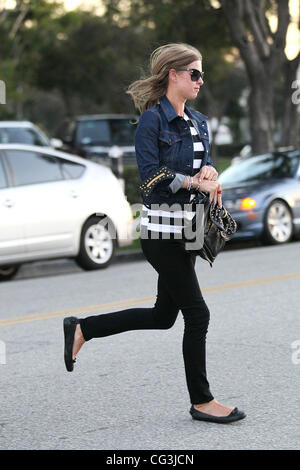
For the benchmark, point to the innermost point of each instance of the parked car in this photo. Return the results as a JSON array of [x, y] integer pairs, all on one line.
[[246, 152], [55, 205], [262, 193], [25, 132], [94, 136]]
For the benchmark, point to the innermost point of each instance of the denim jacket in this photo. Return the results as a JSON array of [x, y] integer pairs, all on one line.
[[163, 139]]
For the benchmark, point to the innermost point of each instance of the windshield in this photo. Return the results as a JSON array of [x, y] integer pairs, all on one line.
[[106, 132], [22, 135], [261, 167]]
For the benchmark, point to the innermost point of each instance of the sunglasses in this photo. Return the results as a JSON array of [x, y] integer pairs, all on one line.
[[195, 74]]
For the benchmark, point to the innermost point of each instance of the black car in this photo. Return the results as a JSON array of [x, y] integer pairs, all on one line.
[[100, 137]]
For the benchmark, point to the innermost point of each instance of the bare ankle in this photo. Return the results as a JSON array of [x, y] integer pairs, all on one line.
[[78, 341], [79, 334], [203, 405]]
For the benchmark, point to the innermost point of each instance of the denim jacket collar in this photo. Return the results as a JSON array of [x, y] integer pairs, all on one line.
[[171, 114]]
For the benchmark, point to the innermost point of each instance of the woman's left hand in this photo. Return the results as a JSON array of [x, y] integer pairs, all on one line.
[[207, 173]]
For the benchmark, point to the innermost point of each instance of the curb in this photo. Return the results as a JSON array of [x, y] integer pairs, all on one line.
[[129, 255], [39, 269]]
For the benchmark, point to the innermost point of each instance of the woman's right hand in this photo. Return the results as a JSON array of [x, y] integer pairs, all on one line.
[[213, 188]]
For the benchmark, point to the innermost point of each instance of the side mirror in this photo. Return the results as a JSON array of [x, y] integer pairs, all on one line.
[[56, 143]]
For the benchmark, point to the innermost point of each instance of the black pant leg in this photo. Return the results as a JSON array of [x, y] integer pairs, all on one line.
[[176, 269], [178, 288], [162, 316]]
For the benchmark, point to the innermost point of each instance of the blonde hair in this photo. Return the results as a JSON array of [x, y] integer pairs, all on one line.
[[147, 92]]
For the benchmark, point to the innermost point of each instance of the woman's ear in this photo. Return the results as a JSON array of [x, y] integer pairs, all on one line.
[[172, 75]]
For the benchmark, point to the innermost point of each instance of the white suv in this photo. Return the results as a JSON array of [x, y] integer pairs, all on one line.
[[55, 205]]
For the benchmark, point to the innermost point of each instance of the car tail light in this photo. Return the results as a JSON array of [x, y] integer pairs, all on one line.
[[248, 203]]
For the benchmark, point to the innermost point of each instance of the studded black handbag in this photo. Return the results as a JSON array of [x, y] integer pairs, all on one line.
[[219, 227]]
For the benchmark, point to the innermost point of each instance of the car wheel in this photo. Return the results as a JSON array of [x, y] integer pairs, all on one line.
[[278, 223], [8, 272], [97, 244]]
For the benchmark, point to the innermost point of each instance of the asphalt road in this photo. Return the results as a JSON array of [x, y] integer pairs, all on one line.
[[128, 391]]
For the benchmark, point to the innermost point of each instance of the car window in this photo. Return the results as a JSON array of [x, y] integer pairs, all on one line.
[[261, 167], [3, 183], [122, 131], [31, 167], [106, 132], [71, 170], [93, 131], [20, 135]]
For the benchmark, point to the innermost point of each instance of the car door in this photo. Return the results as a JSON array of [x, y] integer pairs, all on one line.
[[50, 204], [11, 227]]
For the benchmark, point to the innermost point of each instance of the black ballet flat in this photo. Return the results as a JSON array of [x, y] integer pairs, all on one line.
[[69, 333], [235, 415]]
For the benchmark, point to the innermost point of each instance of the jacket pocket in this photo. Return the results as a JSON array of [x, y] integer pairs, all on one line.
[[169, 143]]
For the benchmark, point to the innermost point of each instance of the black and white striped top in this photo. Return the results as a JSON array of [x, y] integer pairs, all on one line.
[[162, 221]]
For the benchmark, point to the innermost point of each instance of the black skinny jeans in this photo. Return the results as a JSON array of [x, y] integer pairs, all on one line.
[[178, 289]]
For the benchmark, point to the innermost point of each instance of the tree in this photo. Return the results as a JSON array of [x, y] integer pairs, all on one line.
[[22, 32], [91, 61], [262, 52]]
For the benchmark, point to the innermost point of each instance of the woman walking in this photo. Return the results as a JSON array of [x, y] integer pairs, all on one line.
[[172, 151]]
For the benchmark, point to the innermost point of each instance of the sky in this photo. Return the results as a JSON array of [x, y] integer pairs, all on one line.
[[293, 34], [73, 4]]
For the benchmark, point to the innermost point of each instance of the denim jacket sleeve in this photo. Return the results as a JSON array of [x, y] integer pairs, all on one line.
[[147, 148]]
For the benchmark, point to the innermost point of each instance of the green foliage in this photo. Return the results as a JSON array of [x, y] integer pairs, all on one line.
[[132, 183], [23, 31], [223, 163], [87, 61]]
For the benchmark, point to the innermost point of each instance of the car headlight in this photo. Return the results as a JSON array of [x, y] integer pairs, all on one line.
[[247, 203]]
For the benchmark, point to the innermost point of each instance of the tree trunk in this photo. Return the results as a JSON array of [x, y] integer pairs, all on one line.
[[262, 52], [262, 122], [290, 118]]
